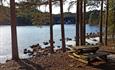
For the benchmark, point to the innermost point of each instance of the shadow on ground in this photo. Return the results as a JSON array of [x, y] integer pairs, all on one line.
[[29, 65], [105, 66]]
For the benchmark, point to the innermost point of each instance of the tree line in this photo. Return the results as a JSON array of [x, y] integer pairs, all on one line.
[[34, 16]]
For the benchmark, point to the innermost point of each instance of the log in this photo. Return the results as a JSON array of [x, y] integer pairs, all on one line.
[[80, 56], [81, 60]]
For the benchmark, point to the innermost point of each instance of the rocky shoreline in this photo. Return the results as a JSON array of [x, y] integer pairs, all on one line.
[[43, 60]]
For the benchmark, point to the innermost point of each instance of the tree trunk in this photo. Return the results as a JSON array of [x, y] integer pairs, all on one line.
[[83, 25], [114, 27], [80, 22], [15, 55], [106, 22], [101, 21], [62, 26], [51, 27], [114, 32], [77, 23]]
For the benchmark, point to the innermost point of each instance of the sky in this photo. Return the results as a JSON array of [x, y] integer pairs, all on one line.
[[55, 9]]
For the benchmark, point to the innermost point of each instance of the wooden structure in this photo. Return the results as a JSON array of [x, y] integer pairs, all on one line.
[[87, 54]]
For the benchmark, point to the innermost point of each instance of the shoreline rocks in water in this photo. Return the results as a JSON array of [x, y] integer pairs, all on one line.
[[43, 60], [37, 50]]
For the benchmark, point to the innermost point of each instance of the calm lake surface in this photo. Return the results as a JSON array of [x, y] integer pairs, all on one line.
[[29, 35]]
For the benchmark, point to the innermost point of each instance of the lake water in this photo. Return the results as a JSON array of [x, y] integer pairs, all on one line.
[[29, 35]]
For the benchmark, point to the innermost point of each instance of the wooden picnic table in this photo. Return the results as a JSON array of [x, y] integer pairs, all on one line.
[[87, 54]]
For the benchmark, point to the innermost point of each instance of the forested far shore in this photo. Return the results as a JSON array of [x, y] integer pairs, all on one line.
[[36, 17]]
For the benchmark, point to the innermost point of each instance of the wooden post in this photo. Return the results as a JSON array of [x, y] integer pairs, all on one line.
[[15, 55], [101, 21], [62, 26], [106, 22], [51, 27], [77, 23]]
